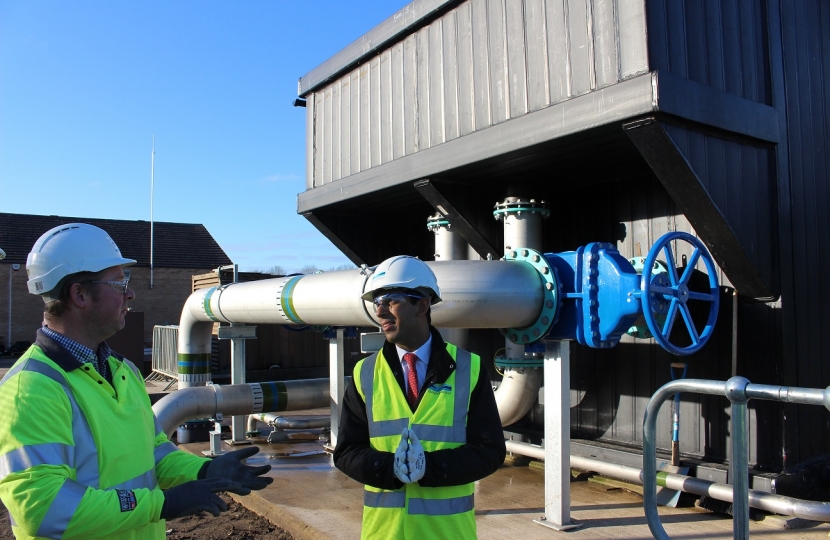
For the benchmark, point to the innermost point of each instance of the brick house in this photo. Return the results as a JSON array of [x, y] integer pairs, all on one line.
[[180, 251]]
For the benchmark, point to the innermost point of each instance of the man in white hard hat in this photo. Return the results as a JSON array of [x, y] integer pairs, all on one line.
[[81, 453], [419, 423]]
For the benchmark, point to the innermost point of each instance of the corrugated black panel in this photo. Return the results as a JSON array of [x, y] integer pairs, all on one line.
[[721, 44], [176, 245], [805, 44], [738, 178]]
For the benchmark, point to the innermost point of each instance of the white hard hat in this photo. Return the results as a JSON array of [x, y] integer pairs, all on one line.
[[403, 272], [69, 249]]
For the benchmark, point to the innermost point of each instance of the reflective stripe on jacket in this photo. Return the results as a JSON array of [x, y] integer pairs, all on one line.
[[80, 458], [440, 422]]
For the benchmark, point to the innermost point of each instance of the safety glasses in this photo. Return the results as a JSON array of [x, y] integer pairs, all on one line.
[[119, 286], [392, 300]]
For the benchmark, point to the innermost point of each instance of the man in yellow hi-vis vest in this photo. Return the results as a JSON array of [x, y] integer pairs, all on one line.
[[419, 423], [81, 452]]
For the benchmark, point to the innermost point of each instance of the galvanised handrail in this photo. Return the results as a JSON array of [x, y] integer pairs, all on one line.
[[739, 391]]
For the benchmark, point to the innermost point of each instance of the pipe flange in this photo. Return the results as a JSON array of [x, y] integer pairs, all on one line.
[[515, 205], [436, 222], [503, 362], [550, 302]]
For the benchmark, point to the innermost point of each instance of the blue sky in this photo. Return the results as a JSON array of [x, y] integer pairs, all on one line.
[[84, 86]]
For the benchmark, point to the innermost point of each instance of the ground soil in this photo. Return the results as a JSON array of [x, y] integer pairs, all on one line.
[[238, 523]]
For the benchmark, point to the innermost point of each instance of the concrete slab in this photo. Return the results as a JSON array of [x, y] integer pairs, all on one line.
[[313, 500]]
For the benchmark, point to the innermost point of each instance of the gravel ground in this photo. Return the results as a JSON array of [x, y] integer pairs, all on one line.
[[238, 523]]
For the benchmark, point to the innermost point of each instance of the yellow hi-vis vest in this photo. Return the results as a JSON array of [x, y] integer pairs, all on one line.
[[416, 512], [80, 458]]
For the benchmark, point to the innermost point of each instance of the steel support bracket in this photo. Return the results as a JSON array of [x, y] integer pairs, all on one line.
[[470, 234]]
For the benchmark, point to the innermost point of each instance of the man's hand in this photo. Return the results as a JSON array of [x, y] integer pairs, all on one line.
[[230, 466], [415, 458], [198, 496], [410, 462], [401, 469]]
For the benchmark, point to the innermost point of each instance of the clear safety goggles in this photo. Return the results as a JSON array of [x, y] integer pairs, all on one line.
[[119, 286], [392, 300]]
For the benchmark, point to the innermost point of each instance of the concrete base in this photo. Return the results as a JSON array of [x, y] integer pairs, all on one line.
[[312, 500], [550, 525]]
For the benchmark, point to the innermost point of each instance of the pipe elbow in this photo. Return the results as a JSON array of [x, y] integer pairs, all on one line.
[[184, 404], [517, 394]]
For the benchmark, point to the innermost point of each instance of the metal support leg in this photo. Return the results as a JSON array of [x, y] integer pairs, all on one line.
[[337, 381], [739, 462], [238, 423], [557, 437]]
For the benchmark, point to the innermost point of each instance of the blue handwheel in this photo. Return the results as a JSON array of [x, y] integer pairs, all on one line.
[[669, 294]]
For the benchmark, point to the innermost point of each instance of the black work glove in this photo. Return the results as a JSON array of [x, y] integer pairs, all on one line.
[[198, 496], [230, 466]]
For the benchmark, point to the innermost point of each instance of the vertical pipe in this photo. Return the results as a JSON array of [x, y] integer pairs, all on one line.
[[337, 384], [519, 389], [740, 477], [237, 373], [734, 332], [449, 246], [739, 462]]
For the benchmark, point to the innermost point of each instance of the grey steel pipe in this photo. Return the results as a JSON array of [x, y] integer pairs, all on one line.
[[281, 422], [238, 399], [519, 388], [449, 246], [769, 502], [476, 294], [739, 462]]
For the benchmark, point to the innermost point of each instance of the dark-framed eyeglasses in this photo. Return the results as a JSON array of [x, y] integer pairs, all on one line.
[[119, 286], [392, 300]]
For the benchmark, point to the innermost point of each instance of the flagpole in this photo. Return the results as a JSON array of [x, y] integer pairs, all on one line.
[[152, 185]]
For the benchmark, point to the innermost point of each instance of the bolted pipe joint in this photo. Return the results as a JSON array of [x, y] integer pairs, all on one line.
[[736, 389]]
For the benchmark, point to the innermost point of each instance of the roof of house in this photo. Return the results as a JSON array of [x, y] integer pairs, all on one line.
[[175, 245]]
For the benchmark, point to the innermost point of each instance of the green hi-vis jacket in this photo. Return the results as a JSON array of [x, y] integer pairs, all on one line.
[[439, 422], [80, 458]]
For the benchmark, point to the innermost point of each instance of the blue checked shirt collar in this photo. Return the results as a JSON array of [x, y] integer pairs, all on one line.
[[82, 353]]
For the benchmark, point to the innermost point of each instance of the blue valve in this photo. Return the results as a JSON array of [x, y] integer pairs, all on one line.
[[594, 295], [673, 290]]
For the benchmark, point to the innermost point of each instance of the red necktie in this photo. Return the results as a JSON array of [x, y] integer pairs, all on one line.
[[412, 379]]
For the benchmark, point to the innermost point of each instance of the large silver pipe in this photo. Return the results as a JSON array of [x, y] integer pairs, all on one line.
[[476, 294], [769, 502], [238, 399]]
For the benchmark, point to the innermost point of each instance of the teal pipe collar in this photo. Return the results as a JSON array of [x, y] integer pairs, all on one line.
[[502, 362], [517, 206]]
